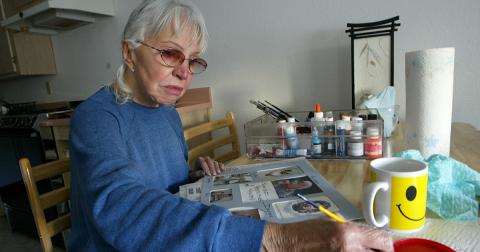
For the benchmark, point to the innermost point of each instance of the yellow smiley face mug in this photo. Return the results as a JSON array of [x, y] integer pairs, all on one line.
[[397, 196]]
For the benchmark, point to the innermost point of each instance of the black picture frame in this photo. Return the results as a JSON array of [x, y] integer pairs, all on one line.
[[372, 56]]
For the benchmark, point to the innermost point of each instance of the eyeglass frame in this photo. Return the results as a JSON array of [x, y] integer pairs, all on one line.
[[181, 62]]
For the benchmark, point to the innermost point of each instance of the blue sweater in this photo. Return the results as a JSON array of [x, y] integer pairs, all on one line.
[[127, 160]]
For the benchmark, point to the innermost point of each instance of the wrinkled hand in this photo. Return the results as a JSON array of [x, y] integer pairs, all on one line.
[[207, 166], [325, 235]]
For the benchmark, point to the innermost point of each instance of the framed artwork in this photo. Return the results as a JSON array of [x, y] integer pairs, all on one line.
[[372, 57]]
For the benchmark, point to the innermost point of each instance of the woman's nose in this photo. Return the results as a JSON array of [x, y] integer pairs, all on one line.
[[181, 71]]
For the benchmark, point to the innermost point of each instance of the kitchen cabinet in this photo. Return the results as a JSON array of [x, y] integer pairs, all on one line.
[[24, 53], [13, 7], [53, 16]]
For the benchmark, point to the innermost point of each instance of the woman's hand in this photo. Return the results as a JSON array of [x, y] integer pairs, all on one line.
[[325, 235], [207, 166]]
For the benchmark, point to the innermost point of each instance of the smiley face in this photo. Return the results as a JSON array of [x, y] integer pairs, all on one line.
[[408, 202]]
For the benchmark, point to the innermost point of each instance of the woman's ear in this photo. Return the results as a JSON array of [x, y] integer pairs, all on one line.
[[127, 55]]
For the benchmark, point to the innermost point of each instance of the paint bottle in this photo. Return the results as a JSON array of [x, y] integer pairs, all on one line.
[[373, 143], [281, 133], [355, 144], [347, 124], [291, 134], [329, 133], [357, 124], [341, 145], [316, 143]]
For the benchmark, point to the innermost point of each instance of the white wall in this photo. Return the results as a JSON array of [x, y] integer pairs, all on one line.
[[291, 53]]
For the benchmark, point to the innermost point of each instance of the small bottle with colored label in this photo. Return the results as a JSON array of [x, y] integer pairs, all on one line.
[[355, 144], [373, 143]]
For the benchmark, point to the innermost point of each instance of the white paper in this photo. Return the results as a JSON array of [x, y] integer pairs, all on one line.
[[429, 96]]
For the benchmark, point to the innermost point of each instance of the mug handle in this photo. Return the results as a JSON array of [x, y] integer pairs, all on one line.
[[368, 197]]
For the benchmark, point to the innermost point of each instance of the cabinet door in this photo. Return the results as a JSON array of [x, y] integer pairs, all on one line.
[[7, 65], [12, 7], [33, 53]]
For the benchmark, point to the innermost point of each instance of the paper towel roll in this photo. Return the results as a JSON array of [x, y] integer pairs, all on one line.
[[429, 97]]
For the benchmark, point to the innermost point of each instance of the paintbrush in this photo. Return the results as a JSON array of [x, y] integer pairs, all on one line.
[[322, 209]]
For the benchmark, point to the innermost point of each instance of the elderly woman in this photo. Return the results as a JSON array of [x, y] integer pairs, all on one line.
[[129, 156]]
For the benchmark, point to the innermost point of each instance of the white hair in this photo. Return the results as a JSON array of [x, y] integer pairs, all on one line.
[[152, 17]]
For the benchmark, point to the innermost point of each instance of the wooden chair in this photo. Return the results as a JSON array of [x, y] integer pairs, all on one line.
[[39, 202], [214, 146]]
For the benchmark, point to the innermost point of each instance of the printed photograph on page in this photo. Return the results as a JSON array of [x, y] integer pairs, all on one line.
[[252, 192], [229, 179], [296, 208], [279, 172], [221, 195], [291, 186]]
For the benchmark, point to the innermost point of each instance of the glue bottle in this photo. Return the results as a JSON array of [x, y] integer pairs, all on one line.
[[318, 114]]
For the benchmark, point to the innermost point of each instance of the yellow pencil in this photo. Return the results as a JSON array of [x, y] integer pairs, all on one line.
[[322, 209]]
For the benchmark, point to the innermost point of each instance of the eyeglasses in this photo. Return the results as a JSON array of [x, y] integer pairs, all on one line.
[[172, 57]]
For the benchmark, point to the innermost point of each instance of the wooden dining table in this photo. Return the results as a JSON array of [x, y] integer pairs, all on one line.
[[350, 177]]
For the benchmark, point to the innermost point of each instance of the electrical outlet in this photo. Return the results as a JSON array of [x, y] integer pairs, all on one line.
[[48, 86]]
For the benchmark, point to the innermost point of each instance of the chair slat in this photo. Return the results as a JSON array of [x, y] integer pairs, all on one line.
[[210, 145], [31, 175], [59, 224], [55, 168], [205, 128], [54, 197], [207, 148]]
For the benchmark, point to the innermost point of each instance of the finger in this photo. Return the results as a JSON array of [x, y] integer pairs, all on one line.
[[204, 165], [222, 167], [376, 239], [211, 165], [217, 167]]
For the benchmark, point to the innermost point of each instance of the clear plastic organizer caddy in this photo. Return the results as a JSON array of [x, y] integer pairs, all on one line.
[[342, 134]]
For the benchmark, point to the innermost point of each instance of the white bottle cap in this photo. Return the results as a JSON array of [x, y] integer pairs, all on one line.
[[291, 119], [318, 115], [356, 134], [356, 118], [372, 131]]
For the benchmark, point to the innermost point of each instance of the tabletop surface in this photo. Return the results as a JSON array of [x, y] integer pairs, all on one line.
[[348, 176]]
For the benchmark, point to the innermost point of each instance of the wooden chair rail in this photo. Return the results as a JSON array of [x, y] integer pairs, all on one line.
[[206, 127], [208, 147], [56, 169], [60, 224], [40, 202], [54, 197]]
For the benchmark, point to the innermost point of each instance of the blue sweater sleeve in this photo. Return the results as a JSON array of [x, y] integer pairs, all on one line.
[[112, 208]]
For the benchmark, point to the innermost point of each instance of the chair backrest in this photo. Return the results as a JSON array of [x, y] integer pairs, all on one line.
[[214, 142], [39, 202]]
